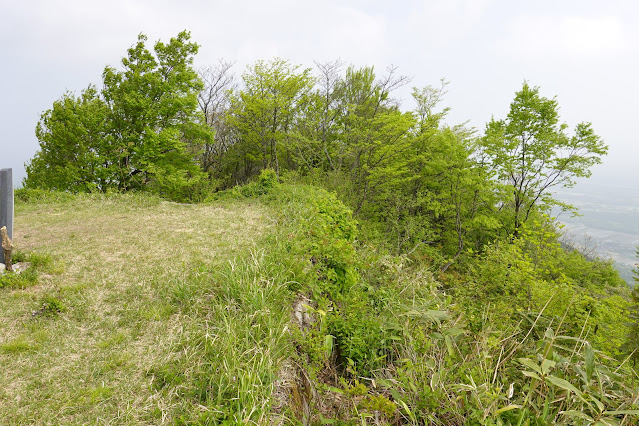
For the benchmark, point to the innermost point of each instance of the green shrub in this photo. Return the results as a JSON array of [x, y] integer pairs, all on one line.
[[50, 305], [36, 195], [264, 184]]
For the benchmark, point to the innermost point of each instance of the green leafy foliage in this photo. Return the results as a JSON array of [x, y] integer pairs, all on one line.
[[266, 181], [435, 192], [37, 263], [138, 133], [326, 238], [263, 114], [73, 144], [153, 104], [50, 305], [631, 343], [533, 272], [531, 153]]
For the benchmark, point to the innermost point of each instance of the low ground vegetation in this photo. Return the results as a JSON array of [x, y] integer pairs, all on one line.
[[263, 305]]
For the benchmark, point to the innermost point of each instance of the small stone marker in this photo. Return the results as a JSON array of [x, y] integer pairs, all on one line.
[[7, 247], [6, 204]]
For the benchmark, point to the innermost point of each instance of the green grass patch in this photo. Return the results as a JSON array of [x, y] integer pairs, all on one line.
[[17, 346], [37, 264]]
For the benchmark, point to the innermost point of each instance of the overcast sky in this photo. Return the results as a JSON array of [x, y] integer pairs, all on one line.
[[586, 53]]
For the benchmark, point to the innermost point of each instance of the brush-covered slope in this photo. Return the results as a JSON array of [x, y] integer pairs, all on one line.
[[262, 307]]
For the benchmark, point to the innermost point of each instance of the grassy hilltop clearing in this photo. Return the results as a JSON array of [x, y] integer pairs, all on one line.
[[262, 307], [128, 289]]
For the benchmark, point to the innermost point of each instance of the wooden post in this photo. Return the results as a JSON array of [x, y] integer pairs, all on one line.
[[6, 204], [7, 248]]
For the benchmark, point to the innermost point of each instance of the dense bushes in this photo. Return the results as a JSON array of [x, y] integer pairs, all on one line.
[[512, 333], [518, 340]]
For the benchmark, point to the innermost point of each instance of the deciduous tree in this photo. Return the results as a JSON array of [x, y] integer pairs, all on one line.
[[215, 103], [265, 112], [154, 115], [317, 141], [531, 152], [139, 133], [73, 136]]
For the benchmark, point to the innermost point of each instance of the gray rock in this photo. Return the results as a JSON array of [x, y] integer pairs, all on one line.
[[17, 267], [20, 266]]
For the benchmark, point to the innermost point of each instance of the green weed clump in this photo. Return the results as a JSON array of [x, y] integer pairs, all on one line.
[[324, 237], [41, 196], [18, 346], [38, 263], [228, 359], [50, 305], [265, 183]]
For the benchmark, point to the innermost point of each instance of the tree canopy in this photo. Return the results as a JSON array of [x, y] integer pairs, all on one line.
[[530, 152], [139, 133]]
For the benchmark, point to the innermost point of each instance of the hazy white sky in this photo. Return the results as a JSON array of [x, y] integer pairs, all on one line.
[[583, 52]]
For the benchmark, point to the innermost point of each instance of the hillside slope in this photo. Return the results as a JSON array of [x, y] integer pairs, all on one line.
[[263, 307]]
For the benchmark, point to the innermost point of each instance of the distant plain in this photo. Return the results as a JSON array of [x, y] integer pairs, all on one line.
[[608, 221]]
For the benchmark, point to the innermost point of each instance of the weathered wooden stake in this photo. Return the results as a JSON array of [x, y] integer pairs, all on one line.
[[6, 204], [7, 248]]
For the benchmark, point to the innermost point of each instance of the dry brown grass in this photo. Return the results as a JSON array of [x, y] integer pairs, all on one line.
[[113, 260]]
